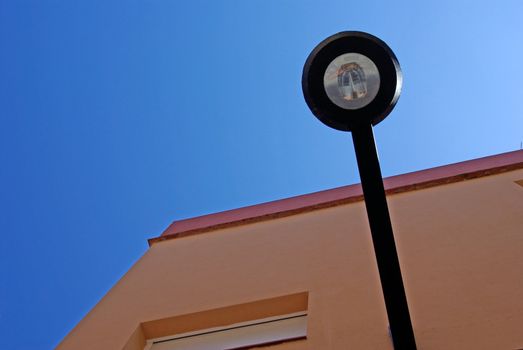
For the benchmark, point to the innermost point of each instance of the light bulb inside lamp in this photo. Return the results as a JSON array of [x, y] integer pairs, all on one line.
[[351, 81]]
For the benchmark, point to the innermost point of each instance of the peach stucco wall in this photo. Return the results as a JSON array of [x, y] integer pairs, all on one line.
[[460, 247]]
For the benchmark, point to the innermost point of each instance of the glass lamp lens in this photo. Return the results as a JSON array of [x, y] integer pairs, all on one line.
[[351, 81]]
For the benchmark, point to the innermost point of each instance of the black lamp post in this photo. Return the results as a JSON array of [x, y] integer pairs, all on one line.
[[351, 81]]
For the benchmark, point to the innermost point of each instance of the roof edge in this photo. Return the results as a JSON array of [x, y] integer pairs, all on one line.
[[417, 180]]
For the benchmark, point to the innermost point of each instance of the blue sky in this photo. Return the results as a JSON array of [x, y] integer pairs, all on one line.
[[120, 117]]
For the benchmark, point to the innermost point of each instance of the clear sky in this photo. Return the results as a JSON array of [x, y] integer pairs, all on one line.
[[118, 117]]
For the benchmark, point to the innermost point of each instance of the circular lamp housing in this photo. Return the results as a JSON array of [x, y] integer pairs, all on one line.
[[351, 79]]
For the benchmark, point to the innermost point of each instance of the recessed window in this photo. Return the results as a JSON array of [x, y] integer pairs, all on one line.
[[237, 336]]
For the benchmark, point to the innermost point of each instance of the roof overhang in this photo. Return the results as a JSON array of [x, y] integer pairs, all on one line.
[[437, 176]]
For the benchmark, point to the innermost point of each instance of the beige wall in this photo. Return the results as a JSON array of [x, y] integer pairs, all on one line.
[[460, 247]]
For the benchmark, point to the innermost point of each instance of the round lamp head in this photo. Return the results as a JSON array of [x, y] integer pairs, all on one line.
[[351, 79]]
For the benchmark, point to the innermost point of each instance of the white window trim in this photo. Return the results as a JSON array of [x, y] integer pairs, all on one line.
[[263, 331]]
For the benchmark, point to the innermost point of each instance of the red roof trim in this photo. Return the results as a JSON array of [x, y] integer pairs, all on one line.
[[342, 195]]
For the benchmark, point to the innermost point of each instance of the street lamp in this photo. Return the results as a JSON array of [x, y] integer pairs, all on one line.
[[351, 81]]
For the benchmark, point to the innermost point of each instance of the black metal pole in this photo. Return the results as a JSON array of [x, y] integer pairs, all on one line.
[[383, 239]]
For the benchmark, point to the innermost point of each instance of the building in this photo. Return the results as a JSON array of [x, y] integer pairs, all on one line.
[[300, 273]]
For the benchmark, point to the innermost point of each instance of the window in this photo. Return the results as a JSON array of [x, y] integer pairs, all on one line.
[[237, 336]]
